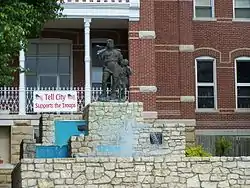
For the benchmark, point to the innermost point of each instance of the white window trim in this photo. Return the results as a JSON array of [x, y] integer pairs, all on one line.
[[204, 18], [58, 41], [243, 58], [238, 19], [214, 84]]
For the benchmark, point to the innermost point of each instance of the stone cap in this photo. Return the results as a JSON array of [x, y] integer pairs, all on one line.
[[135, 159], [116, 104], [6, 166]]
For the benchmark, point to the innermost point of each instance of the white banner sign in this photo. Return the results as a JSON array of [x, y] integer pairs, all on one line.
[[55, 101]]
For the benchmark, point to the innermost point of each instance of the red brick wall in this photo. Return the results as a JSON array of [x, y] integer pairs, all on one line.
[[174, 69], [222, 39], [142, 57], [186, 58]]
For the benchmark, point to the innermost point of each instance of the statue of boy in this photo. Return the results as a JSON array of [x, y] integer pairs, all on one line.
[[126, 71]]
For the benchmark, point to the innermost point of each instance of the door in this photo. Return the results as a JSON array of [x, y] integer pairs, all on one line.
[[5, 143]]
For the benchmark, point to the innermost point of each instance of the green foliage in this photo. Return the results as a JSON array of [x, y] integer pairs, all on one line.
[[20, 20], [196, 151], [222, 146]]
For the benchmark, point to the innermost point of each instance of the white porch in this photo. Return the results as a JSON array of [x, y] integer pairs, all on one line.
[[118, 9], [86, 13], [10, 98]]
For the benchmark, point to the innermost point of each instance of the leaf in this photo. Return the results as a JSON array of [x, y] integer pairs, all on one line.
[[20, 20]]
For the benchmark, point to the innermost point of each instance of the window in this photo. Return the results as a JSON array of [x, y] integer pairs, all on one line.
[[243, 82], [97, 77], [48, 64], [97, 66], [204, 8], [242, 9], [205, 83]]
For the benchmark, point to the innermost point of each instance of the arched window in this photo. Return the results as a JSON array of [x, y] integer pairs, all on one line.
[[242, 80], [206, 93]]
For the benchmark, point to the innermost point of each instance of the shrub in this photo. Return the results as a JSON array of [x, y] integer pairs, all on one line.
[[196, 151], [222, 146]]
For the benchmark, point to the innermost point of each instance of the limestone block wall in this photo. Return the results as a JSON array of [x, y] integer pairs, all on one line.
[[136, 172], [77, 145], [173, 141], [5, 175], [103, 112], [97, 113], [22, 129], [28, 148], [48, 125], [190, 125], [106, 117], [190, 134]]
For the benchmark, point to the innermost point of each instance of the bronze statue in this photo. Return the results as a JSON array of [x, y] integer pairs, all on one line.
[[124, 78], [112, 59]]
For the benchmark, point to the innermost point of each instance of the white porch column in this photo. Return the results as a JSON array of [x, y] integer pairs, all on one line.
[[22, 97], [87, 93]]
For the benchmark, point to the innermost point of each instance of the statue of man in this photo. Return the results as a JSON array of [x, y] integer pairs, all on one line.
[[111, 59]]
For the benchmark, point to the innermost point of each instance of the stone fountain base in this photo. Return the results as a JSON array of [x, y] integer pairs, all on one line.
[[117, 129], [106, 124]]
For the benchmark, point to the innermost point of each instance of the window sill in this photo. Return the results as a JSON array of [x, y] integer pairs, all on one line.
[[204, 19], [242, 110], [206, 111], [241, 19]]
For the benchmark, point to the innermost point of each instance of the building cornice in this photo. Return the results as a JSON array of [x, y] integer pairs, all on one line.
[[130, 10]]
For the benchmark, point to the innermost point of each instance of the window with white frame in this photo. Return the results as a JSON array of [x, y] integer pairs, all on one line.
[[205, 83], [48, 64], [243, 82], [242, 9], [204, 8]]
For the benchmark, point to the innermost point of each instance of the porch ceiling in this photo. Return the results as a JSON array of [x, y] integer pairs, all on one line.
[[77, 23]]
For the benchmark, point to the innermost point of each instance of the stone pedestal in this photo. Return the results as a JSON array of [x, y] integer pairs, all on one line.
[[105, 122]]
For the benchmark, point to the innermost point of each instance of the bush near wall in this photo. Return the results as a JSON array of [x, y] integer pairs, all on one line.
[[196, 151]]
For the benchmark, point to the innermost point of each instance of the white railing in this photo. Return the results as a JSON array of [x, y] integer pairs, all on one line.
[[9, 98], [96, 1]]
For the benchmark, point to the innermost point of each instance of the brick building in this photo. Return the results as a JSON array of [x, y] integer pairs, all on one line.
[[201, 58], [185, 55], [189, 58]]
